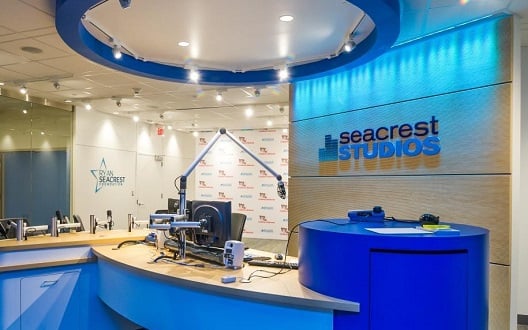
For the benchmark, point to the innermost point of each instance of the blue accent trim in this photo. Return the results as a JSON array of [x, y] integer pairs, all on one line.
[[384, 13]]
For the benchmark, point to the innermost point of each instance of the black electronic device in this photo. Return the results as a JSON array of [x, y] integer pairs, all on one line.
[[274, 264], [60, 217], [77, 219], [429, 219], [375, 215], [217, 216], [173, 205]]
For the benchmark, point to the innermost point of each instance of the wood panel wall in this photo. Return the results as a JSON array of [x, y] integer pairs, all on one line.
[[463, 79]]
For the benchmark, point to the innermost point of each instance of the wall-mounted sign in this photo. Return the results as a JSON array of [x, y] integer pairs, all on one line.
[[106, 177]]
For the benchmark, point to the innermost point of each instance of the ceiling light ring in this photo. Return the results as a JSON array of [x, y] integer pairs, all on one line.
[[383, 13]]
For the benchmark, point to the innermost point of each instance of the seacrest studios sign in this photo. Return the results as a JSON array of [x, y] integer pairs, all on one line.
[[384, 142]]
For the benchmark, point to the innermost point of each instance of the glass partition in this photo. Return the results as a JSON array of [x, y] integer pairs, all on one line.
[[35, 157]]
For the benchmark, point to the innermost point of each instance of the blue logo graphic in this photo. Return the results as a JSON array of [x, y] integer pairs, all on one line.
[[105, 177]]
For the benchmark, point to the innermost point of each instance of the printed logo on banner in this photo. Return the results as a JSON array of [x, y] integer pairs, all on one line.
[[244, 185], [243, 207], [243, 162], [264, 197], [284, 208], [284, 138], [265, 151], [245, 140], [203, 163], [223, 174], [264, 219], [284, 162], [264, 174], [204, 184], [202, 141], [223, 196], [381, 143], [105, 177]]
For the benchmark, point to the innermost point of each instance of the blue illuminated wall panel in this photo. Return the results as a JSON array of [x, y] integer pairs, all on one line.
[[460, 80]]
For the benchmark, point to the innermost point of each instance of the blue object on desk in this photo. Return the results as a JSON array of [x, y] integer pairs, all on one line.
[[401, 281]]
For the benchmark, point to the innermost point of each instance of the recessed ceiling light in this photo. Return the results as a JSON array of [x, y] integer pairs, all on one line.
[[67, 101], [286, 18], [183, 44], [249, 112]]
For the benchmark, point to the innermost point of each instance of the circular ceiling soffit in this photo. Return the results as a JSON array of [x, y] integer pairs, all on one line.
[[382, 14]]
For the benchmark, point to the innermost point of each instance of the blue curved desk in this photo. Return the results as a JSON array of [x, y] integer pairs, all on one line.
[[401, 281], [162, 296]]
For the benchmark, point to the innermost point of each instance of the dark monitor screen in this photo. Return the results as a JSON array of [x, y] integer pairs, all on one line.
[[218, 217]]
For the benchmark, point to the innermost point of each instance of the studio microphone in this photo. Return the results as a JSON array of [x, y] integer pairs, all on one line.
[[281, 190]]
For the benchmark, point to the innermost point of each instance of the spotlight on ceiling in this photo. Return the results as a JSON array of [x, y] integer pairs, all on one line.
[[219, 96], [116, 51], [257, 92], [349, 46], [125, 3], [88, 106], [136, 90], [284, 74], [194, 75], [23, 89], [56, 85], [118, 102]]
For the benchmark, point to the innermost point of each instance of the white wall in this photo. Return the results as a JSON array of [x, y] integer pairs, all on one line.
[[128, 150]]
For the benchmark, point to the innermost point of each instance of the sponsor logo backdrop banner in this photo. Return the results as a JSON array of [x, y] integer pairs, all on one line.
[[227, 173]]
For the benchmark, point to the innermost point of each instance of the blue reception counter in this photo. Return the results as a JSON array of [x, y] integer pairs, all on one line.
[[172, 296], [401, 281]]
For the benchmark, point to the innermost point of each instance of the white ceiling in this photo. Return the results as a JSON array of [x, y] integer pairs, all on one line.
[[241, 38]]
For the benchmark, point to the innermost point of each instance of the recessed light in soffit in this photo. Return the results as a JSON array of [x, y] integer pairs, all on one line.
[[383, 16]]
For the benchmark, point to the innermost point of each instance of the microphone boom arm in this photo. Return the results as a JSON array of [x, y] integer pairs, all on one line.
[[183, 179]]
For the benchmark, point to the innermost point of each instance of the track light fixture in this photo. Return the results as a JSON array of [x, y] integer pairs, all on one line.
[[136, 90], [23, 89], [116, 51], [56, 85], [257, 92]]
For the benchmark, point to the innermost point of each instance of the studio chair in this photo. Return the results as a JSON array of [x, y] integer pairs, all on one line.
[[238, 220]]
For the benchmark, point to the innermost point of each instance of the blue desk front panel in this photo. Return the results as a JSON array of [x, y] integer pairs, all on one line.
[[159, 304], [401, 281]]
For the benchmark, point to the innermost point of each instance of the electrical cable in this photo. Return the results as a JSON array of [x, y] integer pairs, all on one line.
[[285, 269]]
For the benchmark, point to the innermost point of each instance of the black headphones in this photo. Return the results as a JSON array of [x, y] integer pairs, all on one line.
[[429, 219]]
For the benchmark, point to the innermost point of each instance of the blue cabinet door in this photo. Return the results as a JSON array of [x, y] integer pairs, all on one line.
[[50, 301], [416, 291]]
